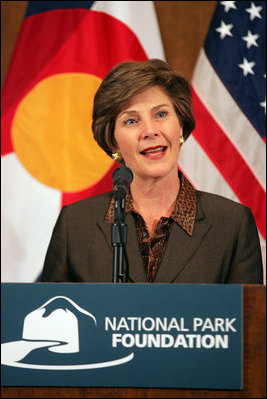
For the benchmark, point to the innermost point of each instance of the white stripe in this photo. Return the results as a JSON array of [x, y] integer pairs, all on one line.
[[228, 115], [201, 171], [141, 18], [31, 210]]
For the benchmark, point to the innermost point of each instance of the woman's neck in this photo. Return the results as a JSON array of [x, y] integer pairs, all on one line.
[[155, 198]]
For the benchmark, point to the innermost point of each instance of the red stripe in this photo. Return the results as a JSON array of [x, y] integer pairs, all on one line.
[[230, 163], [6, 140]]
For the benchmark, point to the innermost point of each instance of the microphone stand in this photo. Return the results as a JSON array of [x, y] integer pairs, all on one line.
[[119, 238]]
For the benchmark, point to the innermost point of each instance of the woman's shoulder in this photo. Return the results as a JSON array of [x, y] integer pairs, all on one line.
[[214, 204], [93, 204], [217, 199]]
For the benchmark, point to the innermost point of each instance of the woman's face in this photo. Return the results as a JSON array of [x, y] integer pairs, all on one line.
[[147, 132]]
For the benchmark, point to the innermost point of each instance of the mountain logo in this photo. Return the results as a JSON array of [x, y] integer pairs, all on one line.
[[54, 328]]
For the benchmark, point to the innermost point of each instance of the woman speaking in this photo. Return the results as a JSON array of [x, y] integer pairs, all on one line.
[[142, 115]]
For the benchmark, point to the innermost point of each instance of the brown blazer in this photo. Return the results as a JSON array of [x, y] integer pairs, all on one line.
[[224, 247]]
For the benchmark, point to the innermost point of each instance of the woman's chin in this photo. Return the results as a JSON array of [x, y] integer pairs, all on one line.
[[158, 172]]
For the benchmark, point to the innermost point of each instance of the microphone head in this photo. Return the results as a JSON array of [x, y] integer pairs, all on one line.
[[122, 178], [122, 173]]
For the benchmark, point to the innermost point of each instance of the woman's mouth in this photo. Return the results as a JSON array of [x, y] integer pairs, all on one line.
[[156, 152]]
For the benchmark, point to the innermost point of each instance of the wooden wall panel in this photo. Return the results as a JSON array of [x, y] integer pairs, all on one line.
[[12, 13], [183, 26]]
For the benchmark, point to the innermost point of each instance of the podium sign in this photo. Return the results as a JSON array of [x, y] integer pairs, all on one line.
[[122, 335]]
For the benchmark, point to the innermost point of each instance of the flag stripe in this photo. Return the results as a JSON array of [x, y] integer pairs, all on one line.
[[36, 7], [228, 115], [31, 210], [230, 163], [6, 141], [196, 165], [146, 31]]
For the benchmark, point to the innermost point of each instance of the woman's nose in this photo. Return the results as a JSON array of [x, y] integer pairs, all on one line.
[[150, 132]]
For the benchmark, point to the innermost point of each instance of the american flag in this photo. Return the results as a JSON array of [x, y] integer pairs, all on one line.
[[226, 154]]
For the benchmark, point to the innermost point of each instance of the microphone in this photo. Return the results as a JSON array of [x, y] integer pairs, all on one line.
[[122, 178]]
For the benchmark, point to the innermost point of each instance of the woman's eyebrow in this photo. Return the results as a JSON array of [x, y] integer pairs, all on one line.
[[128, 112], [133, 111], [159, 106]]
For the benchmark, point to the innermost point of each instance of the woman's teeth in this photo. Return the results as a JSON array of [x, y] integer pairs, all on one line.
[[152, 150]]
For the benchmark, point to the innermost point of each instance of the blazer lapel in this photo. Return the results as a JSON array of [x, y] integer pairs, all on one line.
[[180, 249]]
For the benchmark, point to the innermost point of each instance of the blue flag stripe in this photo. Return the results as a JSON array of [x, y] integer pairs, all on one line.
[[35, 7]]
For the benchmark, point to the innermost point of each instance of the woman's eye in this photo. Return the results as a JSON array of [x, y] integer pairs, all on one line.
[[130, 121], [161, 114]]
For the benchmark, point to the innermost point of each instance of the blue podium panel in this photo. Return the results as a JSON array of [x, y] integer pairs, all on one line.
[[122, 335]]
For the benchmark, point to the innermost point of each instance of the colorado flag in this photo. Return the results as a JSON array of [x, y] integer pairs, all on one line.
[[49, 156]]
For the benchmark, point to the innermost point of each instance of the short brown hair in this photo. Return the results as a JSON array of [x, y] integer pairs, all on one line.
[[128, 79]]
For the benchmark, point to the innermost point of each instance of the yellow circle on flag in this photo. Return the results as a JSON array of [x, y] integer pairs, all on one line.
[[52, 133]]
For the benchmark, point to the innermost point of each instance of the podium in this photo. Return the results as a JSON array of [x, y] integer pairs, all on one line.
[[253, 362]]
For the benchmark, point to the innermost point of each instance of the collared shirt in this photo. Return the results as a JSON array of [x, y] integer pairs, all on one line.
[[152, 248]]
